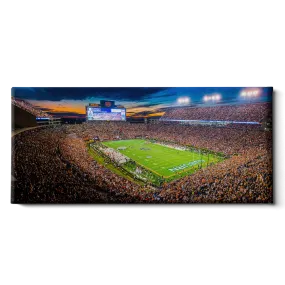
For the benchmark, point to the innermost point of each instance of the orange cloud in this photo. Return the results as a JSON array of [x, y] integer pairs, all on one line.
[[79, 108], [156, 114], [60, 107]]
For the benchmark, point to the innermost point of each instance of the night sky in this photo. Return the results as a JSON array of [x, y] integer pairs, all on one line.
[[139, 102]]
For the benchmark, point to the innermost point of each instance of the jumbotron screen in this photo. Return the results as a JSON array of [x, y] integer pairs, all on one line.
[[105, 114]]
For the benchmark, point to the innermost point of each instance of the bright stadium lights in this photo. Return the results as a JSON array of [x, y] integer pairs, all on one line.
[[218, 97], [250, 93], [213, 98], [183, 100]]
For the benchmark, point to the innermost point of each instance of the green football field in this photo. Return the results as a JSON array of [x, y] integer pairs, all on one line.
[[162, 160]]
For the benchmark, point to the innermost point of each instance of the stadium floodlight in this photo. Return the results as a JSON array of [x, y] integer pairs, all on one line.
[[250, 93], [218, 97], [183, 100], [213, 98]]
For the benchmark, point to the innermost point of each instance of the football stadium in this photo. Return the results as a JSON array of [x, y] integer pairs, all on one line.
[[152, 161], [217, 153]]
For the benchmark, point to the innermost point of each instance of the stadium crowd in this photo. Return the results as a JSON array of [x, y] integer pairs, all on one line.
[[242, 179], [228, 140], [53, 165], [45, 170], [29, 108], [244, 112], [39, 174]]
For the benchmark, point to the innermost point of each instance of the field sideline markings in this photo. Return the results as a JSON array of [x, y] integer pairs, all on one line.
[[162, 150], [151, 170]]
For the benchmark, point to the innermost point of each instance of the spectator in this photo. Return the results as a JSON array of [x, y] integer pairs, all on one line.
[[53, 165]]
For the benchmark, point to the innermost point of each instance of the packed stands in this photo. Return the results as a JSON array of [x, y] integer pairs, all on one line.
[[244, 112], [53, 165]]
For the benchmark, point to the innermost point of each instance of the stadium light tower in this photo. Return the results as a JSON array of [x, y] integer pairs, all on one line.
[[212, 98], [183, 100], [250, 93]]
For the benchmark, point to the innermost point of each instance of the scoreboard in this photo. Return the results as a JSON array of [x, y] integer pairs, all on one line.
[[105, 114], [107, 104]]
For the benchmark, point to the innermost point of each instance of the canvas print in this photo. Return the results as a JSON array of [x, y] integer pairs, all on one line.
[[164, 145]]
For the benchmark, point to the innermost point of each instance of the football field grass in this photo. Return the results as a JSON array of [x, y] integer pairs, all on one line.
[[162, 160]]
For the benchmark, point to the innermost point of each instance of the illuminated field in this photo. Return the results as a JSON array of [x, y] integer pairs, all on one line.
[[164, 161]]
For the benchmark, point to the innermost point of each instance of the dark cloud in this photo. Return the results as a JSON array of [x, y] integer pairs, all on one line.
[[80, 93], [159, 99], [147, 105]]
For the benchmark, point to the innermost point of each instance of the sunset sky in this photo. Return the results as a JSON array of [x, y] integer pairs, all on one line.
[[139, 102]]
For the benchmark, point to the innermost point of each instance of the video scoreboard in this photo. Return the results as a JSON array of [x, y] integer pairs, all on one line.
[[105, 114], [105, 111]]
